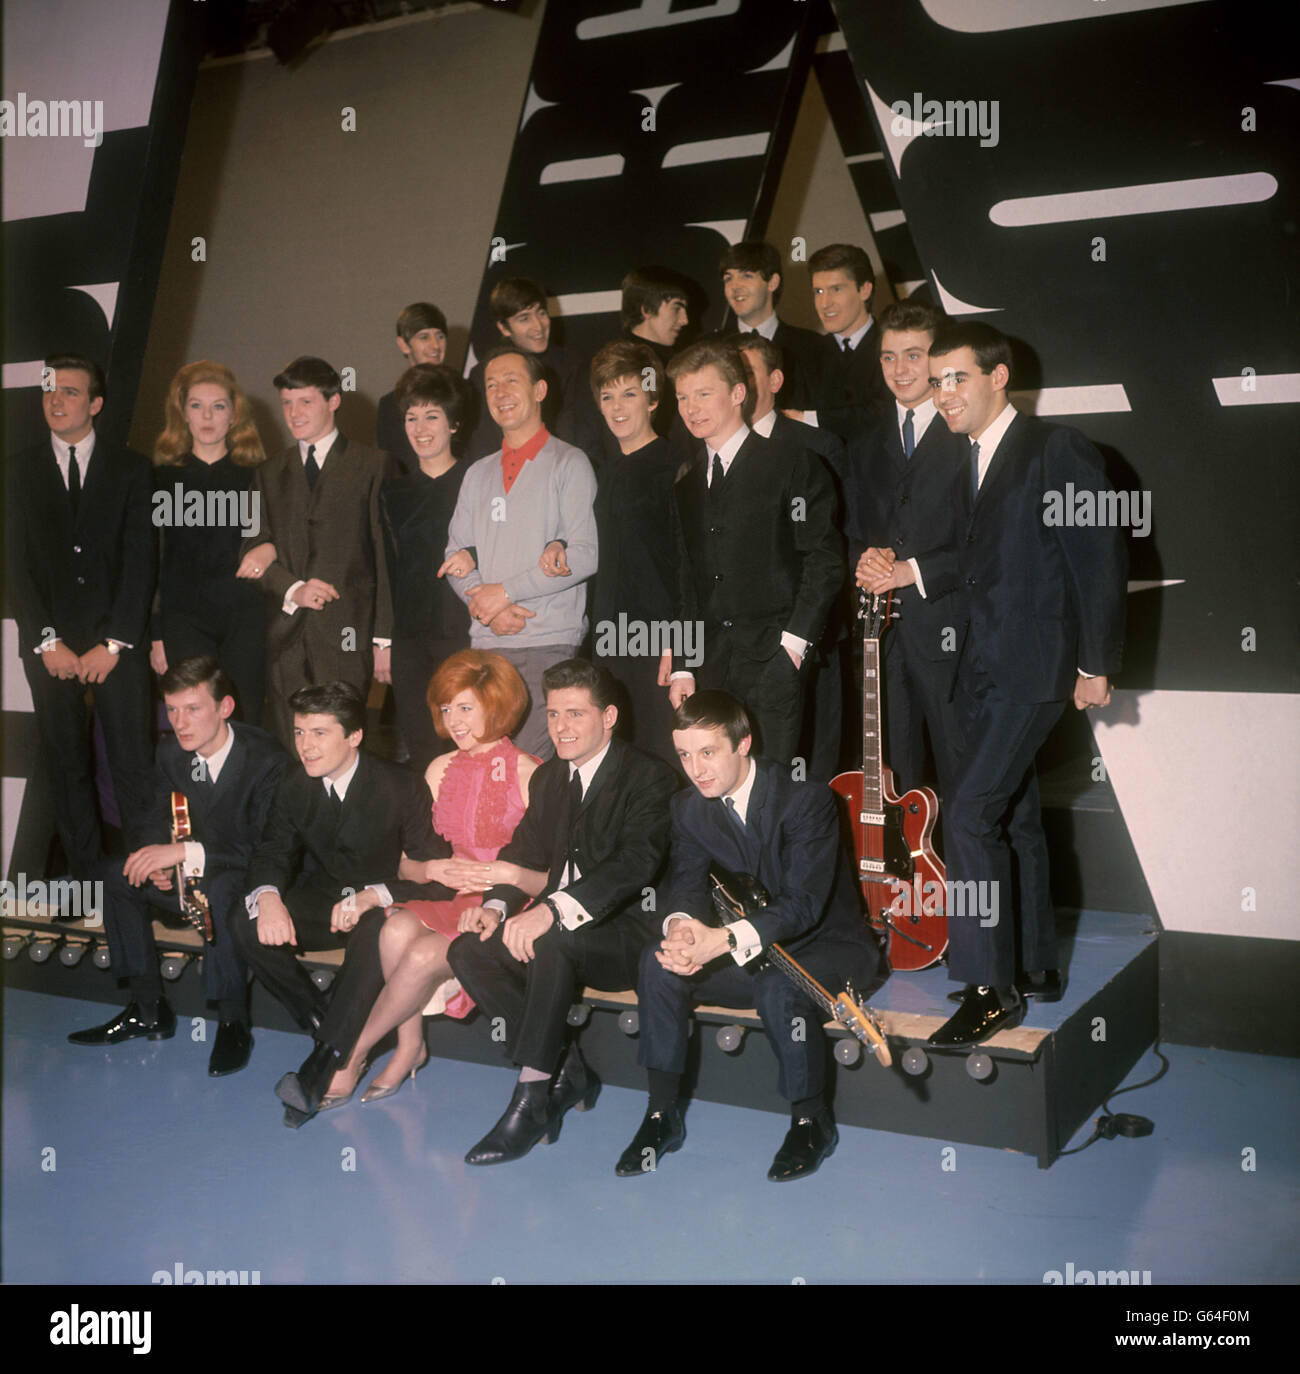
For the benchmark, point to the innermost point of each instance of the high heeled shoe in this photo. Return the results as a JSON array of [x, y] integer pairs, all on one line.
[[377, 1091], [332, 1100]]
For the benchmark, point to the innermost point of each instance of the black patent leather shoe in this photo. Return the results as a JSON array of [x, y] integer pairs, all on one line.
[[576, 1086], [230, 1052], [982, 1012], [659, 1134], [808, 1141], [528, 1119], [129, 1025], [303, 1090], [1047, 986]]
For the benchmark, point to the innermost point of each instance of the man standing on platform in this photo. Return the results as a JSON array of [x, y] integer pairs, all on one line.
[[321, 518], [228, 774], [534, 489], [81, 558], [1046, 605]]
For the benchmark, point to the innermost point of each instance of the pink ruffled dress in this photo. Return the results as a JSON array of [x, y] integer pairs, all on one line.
[[479, 803]]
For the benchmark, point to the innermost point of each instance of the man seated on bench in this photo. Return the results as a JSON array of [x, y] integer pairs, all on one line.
[[746, 815], [228, 774], [353, 815], [597, 821]]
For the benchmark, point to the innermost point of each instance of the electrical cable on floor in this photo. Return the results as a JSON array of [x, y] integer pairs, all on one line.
[[1110, 1124]]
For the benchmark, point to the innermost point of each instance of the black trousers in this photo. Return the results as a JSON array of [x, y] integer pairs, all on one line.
[[533, 999], [918, 699], [823, 726], [237, 641], [792, 1020], [993, 810], [357, 984], [772, 691], [129, 929], [414, 662], [122, 702]]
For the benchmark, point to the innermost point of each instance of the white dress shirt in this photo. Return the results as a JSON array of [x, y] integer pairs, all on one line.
[[195, 858]]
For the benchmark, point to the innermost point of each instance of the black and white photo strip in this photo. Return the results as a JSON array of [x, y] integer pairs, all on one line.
[[613, 603]]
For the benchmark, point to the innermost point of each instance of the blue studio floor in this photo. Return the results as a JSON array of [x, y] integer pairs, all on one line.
[[155, 1165]]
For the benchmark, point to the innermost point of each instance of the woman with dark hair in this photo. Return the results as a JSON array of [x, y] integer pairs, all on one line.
[[203, 468], [429, 622], [480, 793]]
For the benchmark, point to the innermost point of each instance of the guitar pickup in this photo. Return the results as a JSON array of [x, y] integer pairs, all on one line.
[[871, 866], [871, 818]]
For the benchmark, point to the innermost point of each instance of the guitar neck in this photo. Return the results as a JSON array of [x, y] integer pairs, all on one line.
[[872, 788], [796, 974]]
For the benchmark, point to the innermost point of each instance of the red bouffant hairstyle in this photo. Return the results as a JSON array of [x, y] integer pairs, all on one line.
[[493, 680], [242, 442]]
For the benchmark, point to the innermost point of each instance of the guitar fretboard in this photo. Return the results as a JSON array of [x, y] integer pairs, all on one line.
[[872, 797]]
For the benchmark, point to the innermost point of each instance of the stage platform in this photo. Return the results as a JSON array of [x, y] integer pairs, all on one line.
[[1027, 1089]]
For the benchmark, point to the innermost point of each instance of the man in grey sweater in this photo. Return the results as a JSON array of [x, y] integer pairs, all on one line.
[[533, 492]]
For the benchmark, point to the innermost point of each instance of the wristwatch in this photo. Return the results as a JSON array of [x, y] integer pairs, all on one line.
[[731, 939], [555, 910], [112, 646]]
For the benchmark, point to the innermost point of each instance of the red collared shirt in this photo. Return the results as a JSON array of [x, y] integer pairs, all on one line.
[[513, 459]]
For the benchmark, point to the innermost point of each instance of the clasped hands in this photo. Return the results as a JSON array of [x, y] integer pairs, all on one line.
[[92, 666], [690, 944], [879, 570]]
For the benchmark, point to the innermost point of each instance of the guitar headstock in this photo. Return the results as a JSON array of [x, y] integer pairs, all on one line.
[[874, 612], [864, 1024]]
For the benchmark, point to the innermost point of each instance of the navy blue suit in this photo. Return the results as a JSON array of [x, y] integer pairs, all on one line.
[[227, 818], [791, 842], [911, 507], [1043, 602]]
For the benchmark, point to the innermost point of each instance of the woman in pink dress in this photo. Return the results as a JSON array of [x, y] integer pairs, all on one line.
[[480, 792]]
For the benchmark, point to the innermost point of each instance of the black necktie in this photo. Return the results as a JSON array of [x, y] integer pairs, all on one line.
[[335, 802], [575, 801], [715, 472], [909, 435], [74, 481], [974, 471], [311, 467]]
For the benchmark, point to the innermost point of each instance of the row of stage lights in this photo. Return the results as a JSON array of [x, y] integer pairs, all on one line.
[[71, 951]]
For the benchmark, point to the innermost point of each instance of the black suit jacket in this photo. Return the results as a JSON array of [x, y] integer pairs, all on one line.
[[801, 354], [618, 839], [334, 532], [1044, 600], [910, 506], [90, 579], [229, 816], [761, 555], [849, 393], [791, 842], [388, 811]]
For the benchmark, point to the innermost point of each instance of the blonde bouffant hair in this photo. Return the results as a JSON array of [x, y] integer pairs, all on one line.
[[242, 441]]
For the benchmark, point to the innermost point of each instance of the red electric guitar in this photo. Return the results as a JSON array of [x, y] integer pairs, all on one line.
[[903, 879]]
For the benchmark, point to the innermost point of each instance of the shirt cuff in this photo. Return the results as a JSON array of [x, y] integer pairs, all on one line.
[[674, 916], [497, 905], [47, 644], [1089, 675], [748, 945], [572, 912], [381, 891], [250, 902], [194, 859], [382, 643], [794, 644], [680, 673], [916, 572], [288, 605], [810, 418], [121, 644]]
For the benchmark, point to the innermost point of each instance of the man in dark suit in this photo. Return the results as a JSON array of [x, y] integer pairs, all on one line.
[[746, 815], [751, 282], [848, 394], [902, 529], [1046, 603], [81, 559], [421, 338], [326, 869], [333, 617], [228, 774], [829, 663], [597, 821], [760, 560]]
